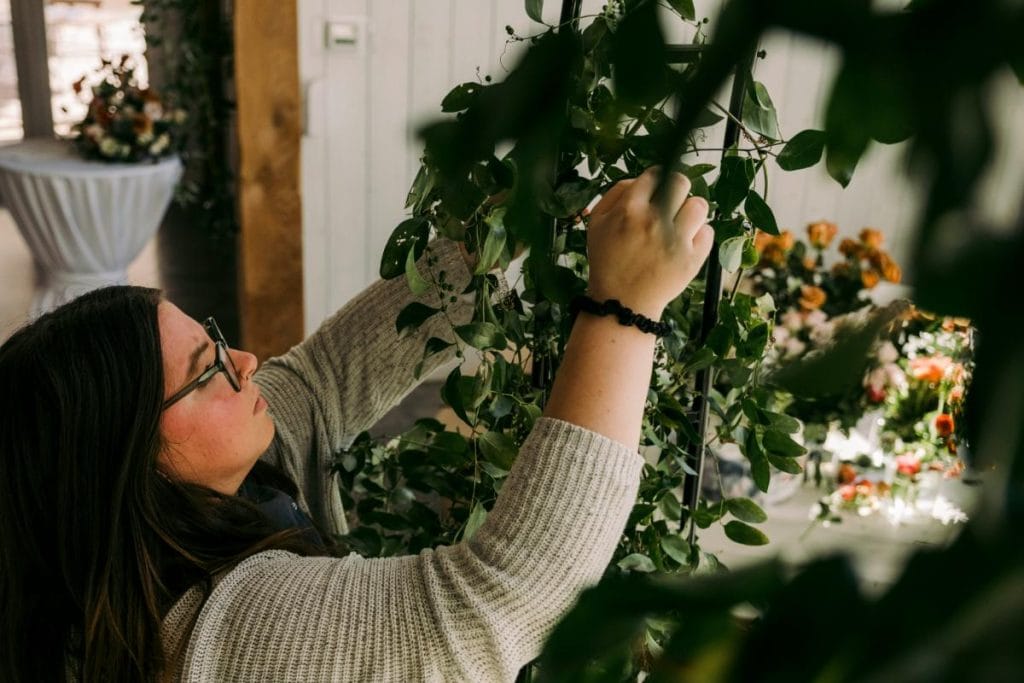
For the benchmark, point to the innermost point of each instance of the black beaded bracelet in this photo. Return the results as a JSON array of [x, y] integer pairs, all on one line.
[[625, 315]]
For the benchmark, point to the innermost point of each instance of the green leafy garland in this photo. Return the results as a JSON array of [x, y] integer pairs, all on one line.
[[197, 45], [536, 195]]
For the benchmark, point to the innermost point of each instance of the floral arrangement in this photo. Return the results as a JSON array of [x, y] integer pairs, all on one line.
[[814, 300], [126, 122], [913, 387]]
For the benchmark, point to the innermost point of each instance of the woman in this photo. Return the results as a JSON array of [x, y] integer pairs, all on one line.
[[147, 474]]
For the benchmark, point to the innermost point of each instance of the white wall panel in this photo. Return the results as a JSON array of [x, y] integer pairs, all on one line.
[[365, 101]]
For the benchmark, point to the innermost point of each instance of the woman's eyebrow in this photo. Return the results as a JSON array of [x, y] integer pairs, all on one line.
[[193, 361]]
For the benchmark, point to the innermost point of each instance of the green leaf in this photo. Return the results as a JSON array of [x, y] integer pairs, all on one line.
[[697, 170], [730, 253], [788, 465], [802, 151], [670, 507], [759, 113], [414, 315], [416, 282], [750, 255], [436, 345], [476, 518], [753, 346], [840, 367], [745, 510], [783, 423], [482, 336], [460, 97], [745, 534], [676, 548], [779, 444], [760, 214], [498, 449], [460, 393], [493, 470], [494, 244], [685, 8], [703, 358], [410, 236], [420, 189], [737, 173], [759, 469], [534, 8], [433, 346], [636, 563]]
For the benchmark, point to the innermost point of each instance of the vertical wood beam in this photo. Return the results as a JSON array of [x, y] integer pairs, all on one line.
[[28, 25], [270, 209]]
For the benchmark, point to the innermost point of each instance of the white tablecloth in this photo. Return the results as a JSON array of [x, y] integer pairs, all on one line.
[[84, 221]]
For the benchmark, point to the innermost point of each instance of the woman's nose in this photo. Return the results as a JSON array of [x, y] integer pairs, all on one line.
[[245, 362]]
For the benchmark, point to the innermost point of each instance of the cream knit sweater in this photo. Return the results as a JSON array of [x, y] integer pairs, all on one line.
[[475, 611]]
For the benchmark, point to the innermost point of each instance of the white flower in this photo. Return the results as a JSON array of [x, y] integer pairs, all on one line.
[[794, 347], [153, 110], [160, 145], [792, 320], [876, 379], [887, 353], [108, 146], [781, 335], [822, 334], [815, 318], [895, 376]]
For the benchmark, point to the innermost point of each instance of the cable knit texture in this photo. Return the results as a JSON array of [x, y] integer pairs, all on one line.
[[475, 611]]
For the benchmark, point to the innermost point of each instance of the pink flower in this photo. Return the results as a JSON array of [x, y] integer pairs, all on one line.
[[908, 464]]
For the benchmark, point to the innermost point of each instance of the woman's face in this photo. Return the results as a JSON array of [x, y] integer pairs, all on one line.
[[214, 435]]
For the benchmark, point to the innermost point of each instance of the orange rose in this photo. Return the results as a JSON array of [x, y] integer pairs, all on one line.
[[811, 297], [848, 492], [785, 240], [871, 238], [762, 240], [869, 278], [944, 424], [822, 233], [773, 255], [847, 473], [850, 248], [890, 271], [930, 369]]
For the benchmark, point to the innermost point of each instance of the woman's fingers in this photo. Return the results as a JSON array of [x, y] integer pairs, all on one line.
[[612, 196], [691, 217]]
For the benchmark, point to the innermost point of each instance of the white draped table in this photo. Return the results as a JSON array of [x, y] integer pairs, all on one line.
[[84, 221]]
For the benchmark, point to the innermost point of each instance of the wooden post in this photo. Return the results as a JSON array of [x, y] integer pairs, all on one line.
[[270, 209], [28, 25]]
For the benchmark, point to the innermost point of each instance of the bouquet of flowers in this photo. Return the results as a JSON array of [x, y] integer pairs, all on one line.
[[814, 301], [126, 122]]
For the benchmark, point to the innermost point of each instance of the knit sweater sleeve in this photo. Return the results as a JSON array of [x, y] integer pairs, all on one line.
[[347, 374], [475, 611]]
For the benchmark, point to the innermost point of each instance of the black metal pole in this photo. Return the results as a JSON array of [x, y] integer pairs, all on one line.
[[712, 295]]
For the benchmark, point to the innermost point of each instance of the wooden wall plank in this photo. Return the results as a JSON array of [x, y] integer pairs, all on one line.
[[269, 131]]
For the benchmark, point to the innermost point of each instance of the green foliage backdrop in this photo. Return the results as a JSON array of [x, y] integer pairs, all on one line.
[[592, 104]]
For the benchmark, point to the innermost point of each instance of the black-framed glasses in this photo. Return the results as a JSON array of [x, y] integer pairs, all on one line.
[[222, 363]]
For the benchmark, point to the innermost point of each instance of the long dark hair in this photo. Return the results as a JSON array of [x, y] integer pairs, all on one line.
[[96, 544]]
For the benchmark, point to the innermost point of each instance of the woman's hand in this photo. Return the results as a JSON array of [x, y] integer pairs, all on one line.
[[644, 263], [643, 250]]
